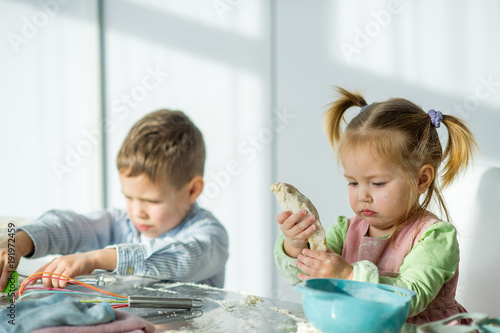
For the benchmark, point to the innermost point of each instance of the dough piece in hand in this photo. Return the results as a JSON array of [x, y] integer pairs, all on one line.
[[289, 198]]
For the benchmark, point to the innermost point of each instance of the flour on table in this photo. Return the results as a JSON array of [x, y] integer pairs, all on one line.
[[245, 308], [306, 327], [287, 313], [280, 310], [178, 284], [251, 299], [164, 290]]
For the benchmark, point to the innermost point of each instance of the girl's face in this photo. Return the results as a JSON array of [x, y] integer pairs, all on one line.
[[378, 192]]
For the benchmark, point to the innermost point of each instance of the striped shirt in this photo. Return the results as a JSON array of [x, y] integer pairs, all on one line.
[[194, 251]]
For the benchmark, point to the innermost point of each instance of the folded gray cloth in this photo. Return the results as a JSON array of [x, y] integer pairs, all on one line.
[[56, 310], [124, 322]]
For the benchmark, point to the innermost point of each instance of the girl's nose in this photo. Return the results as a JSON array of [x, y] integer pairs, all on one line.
[[364, 195]]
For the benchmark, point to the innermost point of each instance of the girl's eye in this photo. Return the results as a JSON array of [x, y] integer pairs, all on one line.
[[378, 184], [352, 184]]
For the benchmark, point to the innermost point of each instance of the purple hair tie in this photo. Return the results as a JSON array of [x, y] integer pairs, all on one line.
[[364, 107], [436, 117]]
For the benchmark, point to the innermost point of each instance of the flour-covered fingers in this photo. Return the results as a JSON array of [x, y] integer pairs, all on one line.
[[283, 216]]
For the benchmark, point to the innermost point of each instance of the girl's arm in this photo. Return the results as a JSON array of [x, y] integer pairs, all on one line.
[[431, 262], [286, 265]]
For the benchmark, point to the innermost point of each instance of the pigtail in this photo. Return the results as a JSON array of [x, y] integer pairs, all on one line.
[[335, 114], [459, 150]]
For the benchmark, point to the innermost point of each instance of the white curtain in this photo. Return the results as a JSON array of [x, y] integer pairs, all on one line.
[[49, 107]]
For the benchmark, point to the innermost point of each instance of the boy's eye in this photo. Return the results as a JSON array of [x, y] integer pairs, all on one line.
[[378, 184], [352, 184]]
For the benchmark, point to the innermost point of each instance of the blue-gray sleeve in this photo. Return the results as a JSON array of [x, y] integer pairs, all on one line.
[[66, 232], [197, 253]]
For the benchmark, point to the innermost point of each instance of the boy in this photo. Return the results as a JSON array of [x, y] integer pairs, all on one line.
[[163, 233]]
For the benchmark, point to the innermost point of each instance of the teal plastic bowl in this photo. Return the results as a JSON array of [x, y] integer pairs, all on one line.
[[335, 305]]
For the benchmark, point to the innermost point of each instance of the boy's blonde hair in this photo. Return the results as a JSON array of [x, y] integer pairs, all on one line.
[[163, 145], [402, 132]]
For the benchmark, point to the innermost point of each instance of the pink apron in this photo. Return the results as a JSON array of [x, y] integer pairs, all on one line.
[[388, 257]]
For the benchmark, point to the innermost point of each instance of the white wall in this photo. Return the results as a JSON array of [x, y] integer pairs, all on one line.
[[214, 65], [49, 98], [437, 54], [246, 71]]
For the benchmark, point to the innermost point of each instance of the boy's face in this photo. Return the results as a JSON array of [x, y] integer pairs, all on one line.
[[154, 208]]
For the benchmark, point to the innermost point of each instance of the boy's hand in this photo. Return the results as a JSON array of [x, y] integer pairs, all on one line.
[[77, 264], [70, 265], [297, 228], [7, 264], [11, 251], [319, 264]]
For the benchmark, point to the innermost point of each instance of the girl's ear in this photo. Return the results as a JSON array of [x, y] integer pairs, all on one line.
[[426, 176], [195, 188]]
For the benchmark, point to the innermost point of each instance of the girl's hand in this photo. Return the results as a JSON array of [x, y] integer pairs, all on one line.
[[70, 265], [297, 228], [319, 264]]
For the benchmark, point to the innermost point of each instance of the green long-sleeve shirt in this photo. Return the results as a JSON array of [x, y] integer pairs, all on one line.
[[432, 261]]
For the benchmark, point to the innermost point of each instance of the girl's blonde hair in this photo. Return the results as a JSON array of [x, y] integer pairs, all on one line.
[[402, 132]]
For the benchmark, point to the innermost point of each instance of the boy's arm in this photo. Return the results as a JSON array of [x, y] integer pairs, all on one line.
[[65, 232], [24, 244], [11, 251], [195, 254]]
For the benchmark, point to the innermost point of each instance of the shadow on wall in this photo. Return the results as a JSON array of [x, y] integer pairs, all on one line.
[[483, 293]]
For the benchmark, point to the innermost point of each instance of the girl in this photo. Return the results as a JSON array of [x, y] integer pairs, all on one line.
[[390, 153]]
